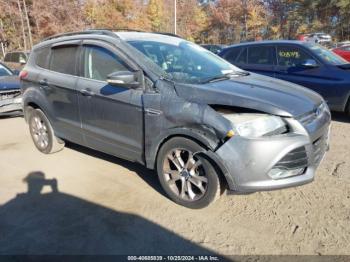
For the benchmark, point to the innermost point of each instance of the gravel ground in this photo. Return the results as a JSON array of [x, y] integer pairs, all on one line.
[[91, 203]]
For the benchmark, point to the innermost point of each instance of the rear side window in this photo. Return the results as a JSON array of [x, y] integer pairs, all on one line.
[[261, 55], [8, 57], [232, 54], [42, 56], [63, 59], [15, 57], [100, 62], [242, 59]]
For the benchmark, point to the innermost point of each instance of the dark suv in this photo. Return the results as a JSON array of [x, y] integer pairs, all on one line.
[[173, 106], [302, 63]]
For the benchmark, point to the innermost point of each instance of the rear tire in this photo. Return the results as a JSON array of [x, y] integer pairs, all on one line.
[[42, 133], [189, 180], [347, 109]]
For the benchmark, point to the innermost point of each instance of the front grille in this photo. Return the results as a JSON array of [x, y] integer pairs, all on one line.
[[9, 94], [320, 148], [293, 160]]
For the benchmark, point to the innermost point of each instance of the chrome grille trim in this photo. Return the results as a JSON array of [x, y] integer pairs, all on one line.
[[9, 94]]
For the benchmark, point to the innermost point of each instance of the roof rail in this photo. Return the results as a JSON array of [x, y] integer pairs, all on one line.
[[86, 32], [104, 31], [168, 34], [116, 29], [135, 30]]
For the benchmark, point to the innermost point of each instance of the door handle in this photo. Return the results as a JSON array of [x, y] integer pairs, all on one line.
[[43, 82], [87, 92]]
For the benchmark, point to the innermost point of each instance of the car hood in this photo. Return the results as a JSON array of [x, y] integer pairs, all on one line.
[[255, 92], [9, 83]]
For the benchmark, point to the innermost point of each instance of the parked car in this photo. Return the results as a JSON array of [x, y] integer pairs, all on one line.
[[343, 51], [10, 93], [340, 44], [319, 38], [173, 106], [16, 60], [214, 48], [302, 63]]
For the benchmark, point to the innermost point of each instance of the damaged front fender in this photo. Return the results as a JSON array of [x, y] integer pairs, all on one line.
[[168, 115]]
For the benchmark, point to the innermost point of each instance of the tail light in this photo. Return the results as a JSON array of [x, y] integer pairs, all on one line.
[[23, 74]]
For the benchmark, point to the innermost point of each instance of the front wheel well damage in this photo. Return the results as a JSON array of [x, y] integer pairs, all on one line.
[[203, 153]]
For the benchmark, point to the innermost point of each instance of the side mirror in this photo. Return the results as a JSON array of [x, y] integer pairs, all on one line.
[[309, 63], [124, 79], [16, 72]]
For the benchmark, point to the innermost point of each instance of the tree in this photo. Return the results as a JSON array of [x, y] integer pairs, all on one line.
[[256, 22], [225, 21], [115, 14], [56, 16], [192, 20], [155, 15]]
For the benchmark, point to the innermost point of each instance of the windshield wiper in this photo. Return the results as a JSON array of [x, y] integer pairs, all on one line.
[[222, 77]]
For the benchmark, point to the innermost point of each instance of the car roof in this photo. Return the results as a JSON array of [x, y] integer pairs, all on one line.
[[16, 52], [123, 34], [145, 36], [269, 42]]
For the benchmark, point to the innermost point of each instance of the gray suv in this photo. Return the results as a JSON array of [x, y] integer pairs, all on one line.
[[159, 100]]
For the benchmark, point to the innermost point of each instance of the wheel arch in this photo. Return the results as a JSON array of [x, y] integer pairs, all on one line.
[[34, 99], [208, 143]]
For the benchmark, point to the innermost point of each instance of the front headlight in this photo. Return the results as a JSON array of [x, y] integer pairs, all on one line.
[[257, 125]]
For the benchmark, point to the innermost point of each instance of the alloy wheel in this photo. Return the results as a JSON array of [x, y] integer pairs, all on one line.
[[40, 132], [185, 175]]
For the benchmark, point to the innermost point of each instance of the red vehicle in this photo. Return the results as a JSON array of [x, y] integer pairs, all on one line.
[[343, 51]]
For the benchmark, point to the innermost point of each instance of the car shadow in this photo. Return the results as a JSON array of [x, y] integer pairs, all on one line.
[[148, 175], [340, 117], [56, 223]]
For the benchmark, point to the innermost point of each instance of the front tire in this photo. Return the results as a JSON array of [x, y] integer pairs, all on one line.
[[188, 179], [42, 133]]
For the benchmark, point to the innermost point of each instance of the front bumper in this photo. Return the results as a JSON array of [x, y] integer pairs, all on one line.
[[11, 106], [247, 162]]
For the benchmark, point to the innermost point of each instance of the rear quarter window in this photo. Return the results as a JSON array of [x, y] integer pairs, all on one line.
[[63, 59], [42, 57]]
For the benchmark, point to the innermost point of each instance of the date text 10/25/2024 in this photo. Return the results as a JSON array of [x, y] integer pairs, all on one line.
[[174, 258]]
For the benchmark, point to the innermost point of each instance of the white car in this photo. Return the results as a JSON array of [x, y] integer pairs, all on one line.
[[319, 38]]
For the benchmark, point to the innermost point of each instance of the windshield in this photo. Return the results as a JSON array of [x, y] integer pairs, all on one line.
[[327, 55], [5, 71], [184, 62]]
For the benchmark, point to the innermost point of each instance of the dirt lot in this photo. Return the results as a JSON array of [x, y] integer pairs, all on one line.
[[95, 204]]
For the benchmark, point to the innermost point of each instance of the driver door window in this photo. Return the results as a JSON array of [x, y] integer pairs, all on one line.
[[290, 56], [100, 62]]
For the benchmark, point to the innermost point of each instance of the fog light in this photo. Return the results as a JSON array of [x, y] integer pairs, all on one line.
[[278, 173]]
